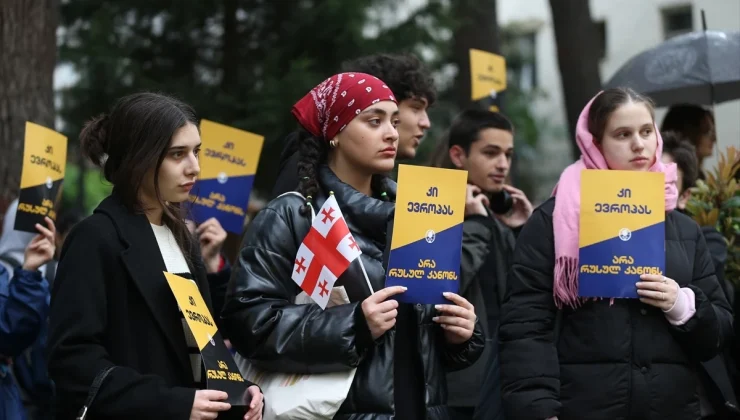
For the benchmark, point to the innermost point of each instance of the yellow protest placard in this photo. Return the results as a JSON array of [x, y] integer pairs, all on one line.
[[621, 232], [487, 74], [44, 164], [221, 370], [228, 162], [427, 233]]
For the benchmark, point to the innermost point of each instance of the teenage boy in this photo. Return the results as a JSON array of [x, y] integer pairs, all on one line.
[[482, 142]]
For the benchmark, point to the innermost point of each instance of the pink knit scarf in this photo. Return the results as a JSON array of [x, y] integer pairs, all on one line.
[[566, 215]]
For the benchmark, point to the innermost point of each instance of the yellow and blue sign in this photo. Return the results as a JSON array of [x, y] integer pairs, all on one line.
[[621, 232], [222, 373], [228, 163], [44, 161], [427, 234]]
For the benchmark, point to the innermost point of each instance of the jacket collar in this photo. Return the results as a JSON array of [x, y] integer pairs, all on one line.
[[143, 260], [368, 215]]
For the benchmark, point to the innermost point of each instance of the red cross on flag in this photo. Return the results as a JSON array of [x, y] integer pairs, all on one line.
[[326, 252]]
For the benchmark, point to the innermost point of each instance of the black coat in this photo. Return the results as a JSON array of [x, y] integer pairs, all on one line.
[[624, 361], [487, 249], [265, 326], [111, 305]]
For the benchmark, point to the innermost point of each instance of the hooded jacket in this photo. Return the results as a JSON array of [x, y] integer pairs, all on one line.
[[612, 361], [24, 307], [29, 368], [267, 328]]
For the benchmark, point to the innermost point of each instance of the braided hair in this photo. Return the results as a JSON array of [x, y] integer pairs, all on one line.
[[312, 152]]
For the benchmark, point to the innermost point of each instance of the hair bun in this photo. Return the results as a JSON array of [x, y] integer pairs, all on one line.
[[94, 139]]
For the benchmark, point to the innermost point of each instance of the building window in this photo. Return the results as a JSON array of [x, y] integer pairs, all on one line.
[[677, 21], [601, 37]]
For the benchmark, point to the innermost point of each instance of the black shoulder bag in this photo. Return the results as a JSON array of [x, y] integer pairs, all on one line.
[[99, 379]]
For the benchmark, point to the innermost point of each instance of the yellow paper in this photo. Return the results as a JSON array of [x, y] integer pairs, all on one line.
[[44, 162], [487, 74], [423, 194], [228, 150], [193, 306], [638, 190], [621, 231]]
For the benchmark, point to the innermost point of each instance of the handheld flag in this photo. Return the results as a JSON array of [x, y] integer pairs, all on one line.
[[326, 252]]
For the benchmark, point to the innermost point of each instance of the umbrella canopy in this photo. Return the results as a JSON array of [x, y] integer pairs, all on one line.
[[699, 67]]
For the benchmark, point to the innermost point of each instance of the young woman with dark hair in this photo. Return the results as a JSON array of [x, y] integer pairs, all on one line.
[[413, 88], [111, 304], [401, 351], [620, 358], [697, 125]]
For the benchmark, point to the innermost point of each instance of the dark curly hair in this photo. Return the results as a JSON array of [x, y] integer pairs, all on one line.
[[405, 74], [313, 152]]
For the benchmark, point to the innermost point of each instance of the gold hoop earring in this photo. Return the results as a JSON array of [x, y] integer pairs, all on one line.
[[333, 143]]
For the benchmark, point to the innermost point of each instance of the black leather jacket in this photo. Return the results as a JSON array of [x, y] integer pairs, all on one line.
[[264, 325]]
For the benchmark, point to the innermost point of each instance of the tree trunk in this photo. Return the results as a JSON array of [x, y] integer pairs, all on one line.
[[577, 42], [28, 52], [477, 27], [230, 47]]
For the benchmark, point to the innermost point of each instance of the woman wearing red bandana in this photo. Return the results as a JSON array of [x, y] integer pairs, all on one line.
[[401, 352], [635, 359]]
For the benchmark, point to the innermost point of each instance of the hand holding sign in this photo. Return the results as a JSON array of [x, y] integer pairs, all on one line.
[[208, 403], [256, 405], [457, 320], [222, 374], [211, 236], [41, 249], [658, 291], [381, 313]]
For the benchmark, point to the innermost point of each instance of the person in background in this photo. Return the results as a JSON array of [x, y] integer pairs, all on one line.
[[411, 84], [481, 142], [679, 150], [696, 124], [112, 309], [29, 367], [569, 358], [401, 351], [24, 307], [13, 242], [716, 391]]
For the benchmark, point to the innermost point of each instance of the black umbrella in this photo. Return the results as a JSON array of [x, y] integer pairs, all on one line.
[[699, 67]]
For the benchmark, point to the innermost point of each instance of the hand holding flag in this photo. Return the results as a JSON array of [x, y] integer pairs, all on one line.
[[326, 253]]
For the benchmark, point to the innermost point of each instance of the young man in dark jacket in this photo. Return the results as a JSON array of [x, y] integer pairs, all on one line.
[[482, 142], [413, 87]]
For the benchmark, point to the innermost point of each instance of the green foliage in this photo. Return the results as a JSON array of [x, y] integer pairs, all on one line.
[[96, 188], [243, 63], [716, 203]]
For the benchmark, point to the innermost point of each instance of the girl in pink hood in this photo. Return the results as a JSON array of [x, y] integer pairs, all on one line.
[[563, 357]]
